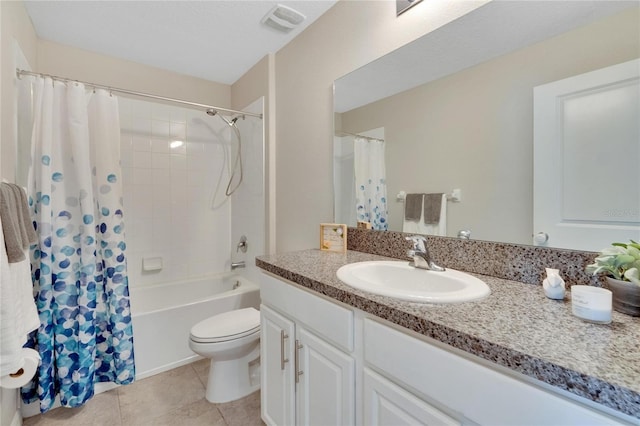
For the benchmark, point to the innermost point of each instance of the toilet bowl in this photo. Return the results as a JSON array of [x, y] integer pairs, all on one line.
[[232, 341]]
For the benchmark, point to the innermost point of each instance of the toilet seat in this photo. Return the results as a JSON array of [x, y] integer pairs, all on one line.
[[231, 325]]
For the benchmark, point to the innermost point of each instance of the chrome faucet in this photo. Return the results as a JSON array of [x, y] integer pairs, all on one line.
[[420, 254], [235, 265]]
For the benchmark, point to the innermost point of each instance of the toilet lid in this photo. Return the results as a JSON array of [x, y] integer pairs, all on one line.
[[228, 325]]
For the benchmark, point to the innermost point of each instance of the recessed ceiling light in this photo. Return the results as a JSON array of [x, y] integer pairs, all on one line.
[[175, 144]]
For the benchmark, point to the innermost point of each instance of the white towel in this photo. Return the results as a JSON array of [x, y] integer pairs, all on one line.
[[18, 311], [419, 227]]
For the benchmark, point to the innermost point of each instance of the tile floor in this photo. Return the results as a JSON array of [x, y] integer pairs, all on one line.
[[175, 397]]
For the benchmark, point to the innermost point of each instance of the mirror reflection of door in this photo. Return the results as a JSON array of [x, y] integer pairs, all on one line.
[[586, 159]]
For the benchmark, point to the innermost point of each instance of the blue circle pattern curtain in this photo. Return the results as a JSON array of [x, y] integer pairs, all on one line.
[[371, 182], [79, 267]]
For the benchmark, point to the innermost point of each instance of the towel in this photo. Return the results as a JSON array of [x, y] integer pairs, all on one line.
[[16, 225], [420, 227], [18, 311], [432, 206], [413, 207]]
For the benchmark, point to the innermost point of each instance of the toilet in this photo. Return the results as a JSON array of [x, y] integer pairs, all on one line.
[[232, 341]]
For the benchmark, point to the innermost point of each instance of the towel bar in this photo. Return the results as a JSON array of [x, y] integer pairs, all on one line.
[[455, 196]]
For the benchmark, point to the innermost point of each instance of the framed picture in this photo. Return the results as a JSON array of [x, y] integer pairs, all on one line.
[[333, 237]]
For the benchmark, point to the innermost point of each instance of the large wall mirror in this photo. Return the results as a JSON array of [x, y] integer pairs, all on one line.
[[456, 111]]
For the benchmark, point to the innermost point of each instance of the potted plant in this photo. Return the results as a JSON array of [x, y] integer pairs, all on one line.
[[621, 265]]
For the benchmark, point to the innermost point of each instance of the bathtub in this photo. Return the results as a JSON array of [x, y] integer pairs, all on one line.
[[163, 315]]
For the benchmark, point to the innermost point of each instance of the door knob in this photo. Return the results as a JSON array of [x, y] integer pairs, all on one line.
[[540, 238]]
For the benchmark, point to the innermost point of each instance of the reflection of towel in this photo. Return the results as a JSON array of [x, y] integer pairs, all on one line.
[[432, 207], [413, 207], [16, 224], [420, 227]]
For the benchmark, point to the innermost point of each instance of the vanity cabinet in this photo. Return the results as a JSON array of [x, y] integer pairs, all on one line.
[[308, 376], [277, 375], [327, 364], [462, 388]]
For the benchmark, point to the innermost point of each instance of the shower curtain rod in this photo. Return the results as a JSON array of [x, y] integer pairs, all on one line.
[[20, 73], [369, 138]]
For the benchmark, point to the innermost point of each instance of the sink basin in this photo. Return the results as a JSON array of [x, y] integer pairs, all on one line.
[[402, 281]]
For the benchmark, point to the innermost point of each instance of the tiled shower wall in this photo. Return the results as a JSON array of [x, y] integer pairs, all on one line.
[[168, 191]]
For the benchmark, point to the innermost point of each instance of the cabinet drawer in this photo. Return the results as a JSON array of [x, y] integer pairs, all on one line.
[[479, 393], [328, 320]]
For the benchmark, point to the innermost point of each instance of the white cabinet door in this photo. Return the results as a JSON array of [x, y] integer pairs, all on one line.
[[386, 404], [276, 350], [326, 385], [586, 156]]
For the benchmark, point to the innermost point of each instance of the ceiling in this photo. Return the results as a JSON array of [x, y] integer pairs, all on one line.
[[215, 40]]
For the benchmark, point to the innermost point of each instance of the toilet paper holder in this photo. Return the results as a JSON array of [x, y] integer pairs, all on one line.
[[18, 373]]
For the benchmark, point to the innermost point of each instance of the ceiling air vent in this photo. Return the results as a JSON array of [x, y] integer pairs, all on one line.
[[283, 18]]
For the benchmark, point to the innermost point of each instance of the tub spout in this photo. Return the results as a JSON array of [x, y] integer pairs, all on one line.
[[235, 265]]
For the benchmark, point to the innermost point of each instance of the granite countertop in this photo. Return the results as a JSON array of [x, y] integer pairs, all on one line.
[[516, 327]]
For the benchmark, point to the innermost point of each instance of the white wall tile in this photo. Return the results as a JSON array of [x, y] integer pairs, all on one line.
[[161, 111], [142, 159], [180, 149], [195, 149], [178, 162], [140, 108], [168, 192], [161, 161], [160, 145], [195, 178], [140, 126], [142, 176], [160, 129], [141, 142], [127, 175], [179, 115], [178, 178], [162, 177], [178, 131]]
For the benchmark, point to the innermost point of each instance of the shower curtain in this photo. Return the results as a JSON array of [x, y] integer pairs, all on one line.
[[78, 267], [371, 187]]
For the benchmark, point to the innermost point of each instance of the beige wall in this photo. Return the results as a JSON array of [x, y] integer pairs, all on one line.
[[257, 82], [349, 35], [78, 64], [16, 27], [474, 130]]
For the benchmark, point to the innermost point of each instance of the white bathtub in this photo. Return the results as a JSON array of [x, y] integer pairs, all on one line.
[[163, 315]]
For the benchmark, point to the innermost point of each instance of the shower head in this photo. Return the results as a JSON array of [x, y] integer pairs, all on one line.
[[213, 112]]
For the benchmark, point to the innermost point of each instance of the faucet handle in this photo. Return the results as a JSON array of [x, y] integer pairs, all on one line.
[[418, 242]]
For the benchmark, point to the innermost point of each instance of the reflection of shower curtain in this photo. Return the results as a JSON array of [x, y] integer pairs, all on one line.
[[371, 187], [78, 264]]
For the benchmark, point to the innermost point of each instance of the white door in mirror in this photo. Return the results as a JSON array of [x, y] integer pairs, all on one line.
[[586, 150]]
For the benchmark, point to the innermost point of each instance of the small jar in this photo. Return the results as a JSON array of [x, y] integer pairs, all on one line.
[[590, 303]]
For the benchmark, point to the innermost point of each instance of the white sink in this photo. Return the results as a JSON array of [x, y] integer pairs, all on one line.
[[402, 281]]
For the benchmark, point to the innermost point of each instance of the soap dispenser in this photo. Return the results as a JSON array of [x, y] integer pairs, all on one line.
[[553, 285]]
